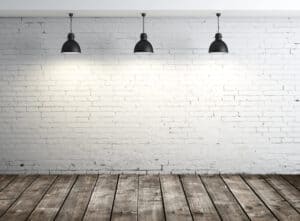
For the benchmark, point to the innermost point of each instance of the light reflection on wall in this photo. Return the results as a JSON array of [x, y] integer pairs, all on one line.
[[150, 101]]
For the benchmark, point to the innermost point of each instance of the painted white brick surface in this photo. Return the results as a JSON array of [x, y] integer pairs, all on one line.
[[179, 110]]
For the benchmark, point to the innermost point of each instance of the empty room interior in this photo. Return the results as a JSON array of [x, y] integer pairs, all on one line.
[[139, 110]]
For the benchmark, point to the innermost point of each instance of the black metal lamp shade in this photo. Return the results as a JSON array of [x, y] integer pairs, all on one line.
[[218, 45], [143, 45], [71, 46]]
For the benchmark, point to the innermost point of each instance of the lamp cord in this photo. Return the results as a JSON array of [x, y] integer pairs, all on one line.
[[218, 16], [218, 24], [71, 16], [143, 23]]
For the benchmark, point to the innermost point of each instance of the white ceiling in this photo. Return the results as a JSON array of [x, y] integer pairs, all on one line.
[[132, 8]]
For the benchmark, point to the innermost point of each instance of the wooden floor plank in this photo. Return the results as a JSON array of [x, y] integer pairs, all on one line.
[[125, 205], [150, 206], [200, 204], [294, 180], [253, 206], [22, 208], [149, 197], [272, 199], [75, 205], [286, 190], [225, 202], [5, 180], [100, 206], [176, 207], [53, 199], [10, 194]]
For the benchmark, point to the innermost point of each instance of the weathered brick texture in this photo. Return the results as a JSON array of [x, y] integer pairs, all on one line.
[[179, 110]]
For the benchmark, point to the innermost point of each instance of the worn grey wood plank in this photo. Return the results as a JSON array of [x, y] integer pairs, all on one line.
[[272, 199], [100, 206], [150, 206], [200, 204], [294, 180], [22, 208], [125, 205], [286, 190], [140, 198], [53, 199], [5, 180], [253, 206], [76, 203], [225, 202], [13, 191], [176, 207]]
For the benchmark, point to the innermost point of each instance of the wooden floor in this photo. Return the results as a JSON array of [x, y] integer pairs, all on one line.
[[149, 197]]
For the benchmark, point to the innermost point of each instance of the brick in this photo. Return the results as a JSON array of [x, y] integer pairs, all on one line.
[[177, 110]]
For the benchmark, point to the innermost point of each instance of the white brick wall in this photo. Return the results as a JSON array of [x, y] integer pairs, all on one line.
[[176, 111]]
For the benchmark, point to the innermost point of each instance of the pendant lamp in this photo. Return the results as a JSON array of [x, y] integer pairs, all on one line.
[[218, 45], [71, 46], [143, 45]]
